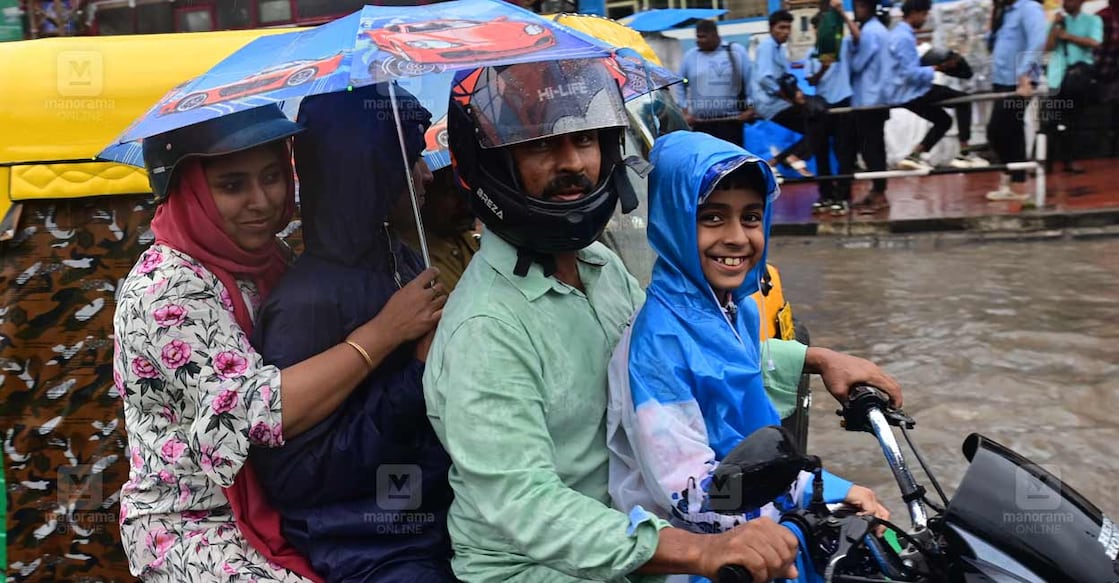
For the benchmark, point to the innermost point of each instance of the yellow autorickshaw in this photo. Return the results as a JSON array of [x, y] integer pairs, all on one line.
[[72, 228]]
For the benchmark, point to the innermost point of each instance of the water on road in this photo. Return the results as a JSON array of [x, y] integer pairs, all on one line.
[[1018, 341]]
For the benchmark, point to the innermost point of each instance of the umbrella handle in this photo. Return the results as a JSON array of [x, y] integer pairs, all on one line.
[[408, 177]]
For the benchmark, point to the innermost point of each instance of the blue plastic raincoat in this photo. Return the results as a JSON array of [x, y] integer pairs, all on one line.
[[686, 382]]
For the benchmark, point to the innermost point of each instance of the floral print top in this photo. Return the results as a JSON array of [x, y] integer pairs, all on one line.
[[196, 397]]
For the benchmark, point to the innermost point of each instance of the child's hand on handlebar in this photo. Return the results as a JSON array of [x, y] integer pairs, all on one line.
[[864, 501], [841, 371]]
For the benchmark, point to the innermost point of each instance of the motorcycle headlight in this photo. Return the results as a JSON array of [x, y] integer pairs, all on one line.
[[534, 29], [431, 44]]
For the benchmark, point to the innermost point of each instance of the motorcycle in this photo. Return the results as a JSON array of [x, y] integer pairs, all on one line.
[[1010, 521]]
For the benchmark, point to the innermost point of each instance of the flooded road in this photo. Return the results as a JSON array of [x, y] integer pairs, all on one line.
[[1017, 340]]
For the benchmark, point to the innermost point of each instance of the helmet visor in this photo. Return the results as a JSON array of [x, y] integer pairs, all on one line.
[[525, 102]]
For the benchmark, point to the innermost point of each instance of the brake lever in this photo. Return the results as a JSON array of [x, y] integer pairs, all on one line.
[[899, 418], [861, 400], [854, 528]]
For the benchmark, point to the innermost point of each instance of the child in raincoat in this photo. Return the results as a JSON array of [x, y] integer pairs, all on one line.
[[689, 379]]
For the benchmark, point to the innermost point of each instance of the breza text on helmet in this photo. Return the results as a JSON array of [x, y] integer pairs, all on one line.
[[489, 203]]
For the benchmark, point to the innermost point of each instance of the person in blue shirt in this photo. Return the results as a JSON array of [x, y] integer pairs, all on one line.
[[832, 79], [779, 100], [1072, 38], [912, 87], [869, 71], [718, 81], [1018, 28]]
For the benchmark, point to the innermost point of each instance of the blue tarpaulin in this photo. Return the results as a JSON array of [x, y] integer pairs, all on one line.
[[666, 18]]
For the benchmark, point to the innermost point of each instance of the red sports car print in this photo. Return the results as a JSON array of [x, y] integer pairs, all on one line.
[[451, 41], [286, 75], [436, 136]]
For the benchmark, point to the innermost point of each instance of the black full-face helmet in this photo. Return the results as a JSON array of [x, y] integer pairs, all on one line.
[[214, 137], [494, 108]]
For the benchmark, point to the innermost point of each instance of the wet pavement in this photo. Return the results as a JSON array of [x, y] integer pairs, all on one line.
[[960, 196], [1018, 341]]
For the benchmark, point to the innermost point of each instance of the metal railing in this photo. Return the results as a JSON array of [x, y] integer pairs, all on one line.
[[1037, 165]]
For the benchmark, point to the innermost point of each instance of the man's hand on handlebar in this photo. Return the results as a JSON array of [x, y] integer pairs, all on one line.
[[766, 549], [841, 371]]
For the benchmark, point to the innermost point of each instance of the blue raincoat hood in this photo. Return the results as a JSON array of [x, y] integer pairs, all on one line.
[[687, 165], [711, 359], [351, 172]]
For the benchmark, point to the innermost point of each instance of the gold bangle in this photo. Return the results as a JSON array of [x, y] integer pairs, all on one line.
[[362, 352]]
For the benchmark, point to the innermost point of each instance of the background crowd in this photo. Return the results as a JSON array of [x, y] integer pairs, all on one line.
[[863, 65]]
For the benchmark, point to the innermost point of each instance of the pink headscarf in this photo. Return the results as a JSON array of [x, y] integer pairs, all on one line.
[[188, 221]]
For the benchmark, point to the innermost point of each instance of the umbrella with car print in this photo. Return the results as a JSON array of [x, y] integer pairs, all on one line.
[[419, 46]]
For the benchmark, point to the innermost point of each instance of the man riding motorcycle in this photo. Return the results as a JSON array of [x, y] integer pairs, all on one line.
[[516, 377]]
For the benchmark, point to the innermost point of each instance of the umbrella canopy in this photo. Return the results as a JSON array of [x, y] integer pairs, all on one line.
[[426, 44], [611, 31], [379, 43]]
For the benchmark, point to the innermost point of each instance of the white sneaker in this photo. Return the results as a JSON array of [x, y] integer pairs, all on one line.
[[968, 161], [960, 162], [1005, 193], [977, 161], [913, 162]]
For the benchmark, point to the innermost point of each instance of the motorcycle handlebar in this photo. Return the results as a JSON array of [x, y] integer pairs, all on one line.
[[734, 574], [910, 491], [738, 574], [867, 410]]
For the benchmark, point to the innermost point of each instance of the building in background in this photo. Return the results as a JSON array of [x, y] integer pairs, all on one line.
[[736, 9], [41, 18], [108, 17], [11, 20], [804, 36], [47, 18]]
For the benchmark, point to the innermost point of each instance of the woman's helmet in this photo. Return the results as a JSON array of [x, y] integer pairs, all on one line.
[[214, 137], [496, 107]]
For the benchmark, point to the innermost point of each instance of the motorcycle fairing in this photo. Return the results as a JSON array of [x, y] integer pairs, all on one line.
[[1030, 516]]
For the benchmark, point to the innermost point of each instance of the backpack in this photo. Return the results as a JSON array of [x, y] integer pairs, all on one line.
[[740, 103], [1080, 78]]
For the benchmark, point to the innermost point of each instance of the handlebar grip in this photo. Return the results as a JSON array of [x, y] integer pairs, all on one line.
[[870, 391], [734, 574]]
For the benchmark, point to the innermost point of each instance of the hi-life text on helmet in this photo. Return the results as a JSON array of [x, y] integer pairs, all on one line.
[[497, 107], [219, 136]]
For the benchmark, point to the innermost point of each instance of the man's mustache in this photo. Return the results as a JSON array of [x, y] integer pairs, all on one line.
[[565, 183]]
